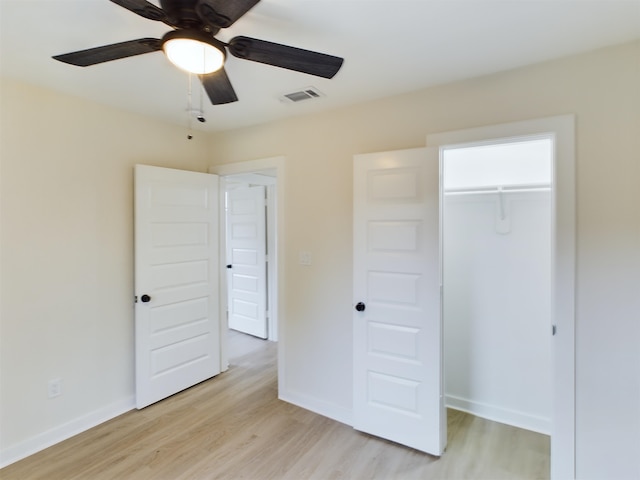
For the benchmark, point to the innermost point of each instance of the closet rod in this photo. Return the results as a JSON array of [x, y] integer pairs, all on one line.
[[512, 189]]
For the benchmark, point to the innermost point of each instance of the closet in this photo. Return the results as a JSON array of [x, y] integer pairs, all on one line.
[[496, 224]]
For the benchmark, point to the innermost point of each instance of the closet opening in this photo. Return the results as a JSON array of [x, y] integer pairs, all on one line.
[[497, 268]]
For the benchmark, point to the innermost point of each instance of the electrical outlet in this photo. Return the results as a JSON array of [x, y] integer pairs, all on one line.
[[54, 387]]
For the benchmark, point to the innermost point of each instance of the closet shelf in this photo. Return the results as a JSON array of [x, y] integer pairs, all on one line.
[[499, 189]]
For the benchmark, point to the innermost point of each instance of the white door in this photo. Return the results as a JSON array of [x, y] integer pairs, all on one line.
[[398, 392], [177, 334], [246, 260]]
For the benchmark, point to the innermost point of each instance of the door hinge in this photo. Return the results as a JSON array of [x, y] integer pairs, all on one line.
[[135, 299], [553, 330]]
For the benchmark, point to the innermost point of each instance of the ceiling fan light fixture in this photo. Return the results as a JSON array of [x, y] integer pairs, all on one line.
[[193, 51]]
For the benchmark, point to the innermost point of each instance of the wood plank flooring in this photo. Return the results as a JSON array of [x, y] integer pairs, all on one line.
[[234, 427]]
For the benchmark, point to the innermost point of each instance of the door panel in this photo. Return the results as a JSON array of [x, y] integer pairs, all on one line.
[[397, 337], [246, 246], [176, 264]]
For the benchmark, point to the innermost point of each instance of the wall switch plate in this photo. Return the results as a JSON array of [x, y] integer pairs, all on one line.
[[54, 388], [305, 258]]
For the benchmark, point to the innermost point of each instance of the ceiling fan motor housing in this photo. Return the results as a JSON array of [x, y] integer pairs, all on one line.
[[182, 13], [195, 14]]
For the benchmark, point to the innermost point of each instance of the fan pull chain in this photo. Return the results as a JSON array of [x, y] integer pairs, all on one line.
[[204, 62], [201, 105], [189, 108]]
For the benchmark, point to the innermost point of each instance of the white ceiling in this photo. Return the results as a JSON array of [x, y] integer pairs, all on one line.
[[389, 47]]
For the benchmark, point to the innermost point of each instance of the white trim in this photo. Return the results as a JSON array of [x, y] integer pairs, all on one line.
[[500, 415], [223, 299], [251, 178], [250, 166], [272, 264], [253, 166], [65, 431], [329, 410], [562, 128]]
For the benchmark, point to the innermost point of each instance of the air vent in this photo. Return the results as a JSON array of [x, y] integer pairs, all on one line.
[[307, 93]]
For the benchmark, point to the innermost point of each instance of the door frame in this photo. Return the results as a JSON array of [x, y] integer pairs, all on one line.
[[276, 164], [563, 228]]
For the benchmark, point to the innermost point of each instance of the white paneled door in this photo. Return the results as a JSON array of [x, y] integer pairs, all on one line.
[[398, 389], [246, 260], [177, 331]]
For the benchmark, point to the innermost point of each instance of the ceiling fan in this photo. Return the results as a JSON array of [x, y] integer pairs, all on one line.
[[192, 45]]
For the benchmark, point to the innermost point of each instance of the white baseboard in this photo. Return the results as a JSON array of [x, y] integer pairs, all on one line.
[[500, 415], [326, 409], [62, 432]]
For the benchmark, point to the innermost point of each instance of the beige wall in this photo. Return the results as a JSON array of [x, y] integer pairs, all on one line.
[[66, 239], [602, 90], [66, 183]]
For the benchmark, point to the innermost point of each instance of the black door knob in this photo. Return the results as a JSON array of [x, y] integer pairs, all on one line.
[[360, 307], [229, 266], [145, 298]]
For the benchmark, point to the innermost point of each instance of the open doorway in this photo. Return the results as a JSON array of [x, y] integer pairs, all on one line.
[[251, 255], [264, 176], [561, 129], [496, 264]]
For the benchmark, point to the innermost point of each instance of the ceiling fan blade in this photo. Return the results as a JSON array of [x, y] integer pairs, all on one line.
[[223, 13], [292, 58], [218, 87], [144, 9], [106, 53]]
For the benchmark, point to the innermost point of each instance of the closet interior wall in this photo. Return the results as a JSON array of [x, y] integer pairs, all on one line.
[[497, 302]]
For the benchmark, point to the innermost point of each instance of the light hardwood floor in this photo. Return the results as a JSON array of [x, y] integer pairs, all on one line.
[[233, 427]]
